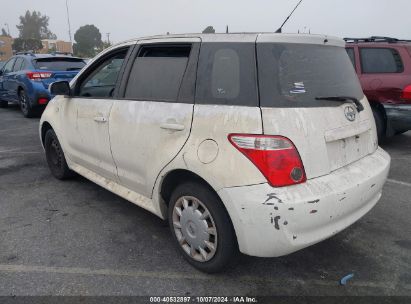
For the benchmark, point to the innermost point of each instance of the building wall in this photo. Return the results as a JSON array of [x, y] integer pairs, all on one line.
[[56, 45], [5, 48]]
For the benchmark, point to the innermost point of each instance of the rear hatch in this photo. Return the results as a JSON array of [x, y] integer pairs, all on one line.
[[293, 75], [58, 68]]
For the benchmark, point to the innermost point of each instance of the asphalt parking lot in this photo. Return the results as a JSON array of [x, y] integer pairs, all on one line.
[[75, 238]]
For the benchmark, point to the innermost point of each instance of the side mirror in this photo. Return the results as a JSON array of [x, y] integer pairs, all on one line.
[[60, 88], [1, 72]]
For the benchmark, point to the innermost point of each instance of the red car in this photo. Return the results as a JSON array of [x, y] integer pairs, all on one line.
[[383, 66]]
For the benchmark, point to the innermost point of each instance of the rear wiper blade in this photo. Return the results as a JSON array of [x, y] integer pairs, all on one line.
[[354, 100]]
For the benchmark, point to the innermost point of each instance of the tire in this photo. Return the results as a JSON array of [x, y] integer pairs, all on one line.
[[4, 104], [55, 157], [380, 123], [189, 202], [25, 105]]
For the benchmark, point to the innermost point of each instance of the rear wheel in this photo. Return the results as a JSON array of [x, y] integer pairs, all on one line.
[[4, 104], [201, 228], [25, 105], [55, 157], [380, 123]]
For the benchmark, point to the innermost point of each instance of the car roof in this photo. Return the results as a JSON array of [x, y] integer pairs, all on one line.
[[42, 56], [377, 41], [248, 37]]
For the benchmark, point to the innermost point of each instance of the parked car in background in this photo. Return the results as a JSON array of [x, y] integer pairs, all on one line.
[[25, 78], [383, 66], [266, 159]]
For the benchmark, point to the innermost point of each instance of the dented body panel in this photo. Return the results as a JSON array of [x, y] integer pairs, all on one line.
[[272, 222], [325, 139]]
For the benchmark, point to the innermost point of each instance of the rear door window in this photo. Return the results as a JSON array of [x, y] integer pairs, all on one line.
[[18, 64], [227, 74], [294, 75], [380, 60], [157, 73], [59, 64]]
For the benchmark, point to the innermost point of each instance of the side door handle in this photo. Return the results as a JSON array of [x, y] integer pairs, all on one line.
[[100, 119], [172, 126]]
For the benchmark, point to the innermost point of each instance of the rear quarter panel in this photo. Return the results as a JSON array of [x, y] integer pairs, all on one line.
[[208, 152]]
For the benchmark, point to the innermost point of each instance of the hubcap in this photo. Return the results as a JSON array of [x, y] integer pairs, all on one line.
[[194, 228]]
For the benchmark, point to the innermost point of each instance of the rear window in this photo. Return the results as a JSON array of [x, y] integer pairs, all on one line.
[[59, 64], [381, 60], [294, 75]]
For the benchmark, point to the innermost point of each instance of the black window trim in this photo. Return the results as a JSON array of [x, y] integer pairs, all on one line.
[[383, 48], [189, 78], [355, 59], [89, 70]]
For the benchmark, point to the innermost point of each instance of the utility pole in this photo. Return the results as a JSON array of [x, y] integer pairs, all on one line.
[[68, 22], [108, 38], [8, 28]]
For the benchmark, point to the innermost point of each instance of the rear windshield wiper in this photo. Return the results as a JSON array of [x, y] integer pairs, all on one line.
[[354, 100]]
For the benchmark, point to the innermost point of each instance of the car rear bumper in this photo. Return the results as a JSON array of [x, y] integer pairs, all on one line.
[[398, 117], [271, 222]]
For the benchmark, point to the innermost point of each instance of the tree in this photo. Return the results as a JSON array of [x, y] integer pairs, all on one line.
[[104, 45], [88, 41], [21, 45], [209, 30], [34, 26], [4, 33]]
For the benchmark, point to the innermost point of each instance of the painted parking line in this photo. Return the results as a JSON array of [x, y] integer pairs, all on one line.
[[393, 181], [188, 276], [18, 129]]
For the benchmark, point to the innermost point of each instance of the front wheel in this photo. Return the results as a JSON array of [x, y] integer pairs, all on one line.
[[201, 228], [55, 157]]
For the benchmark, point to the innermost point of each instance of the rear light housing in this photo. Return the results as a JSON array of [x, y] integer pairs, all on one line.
[[43, 100], [406, 93], [275, 156], [38, 76]]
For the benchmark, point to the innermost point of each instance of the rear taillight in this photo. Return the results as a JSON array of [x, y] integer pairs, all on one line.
[[38, 75], [43, 100], [406, 93], [275, 156]]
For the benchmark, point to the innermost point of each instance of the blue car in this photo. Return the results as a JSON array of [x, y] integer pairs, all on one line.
[[25, 79]]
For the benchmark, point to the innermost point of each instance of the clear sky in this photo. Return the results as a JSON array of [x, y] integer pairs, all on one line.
[[125, 19]]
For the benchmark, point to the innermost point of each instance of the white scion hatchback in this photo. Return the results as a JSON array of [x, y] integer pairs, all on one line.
[[256, 143]]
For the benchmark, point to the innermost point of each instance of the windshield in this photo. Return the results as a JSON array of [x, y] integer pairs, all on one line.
[[293, 75], [59, 64]]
